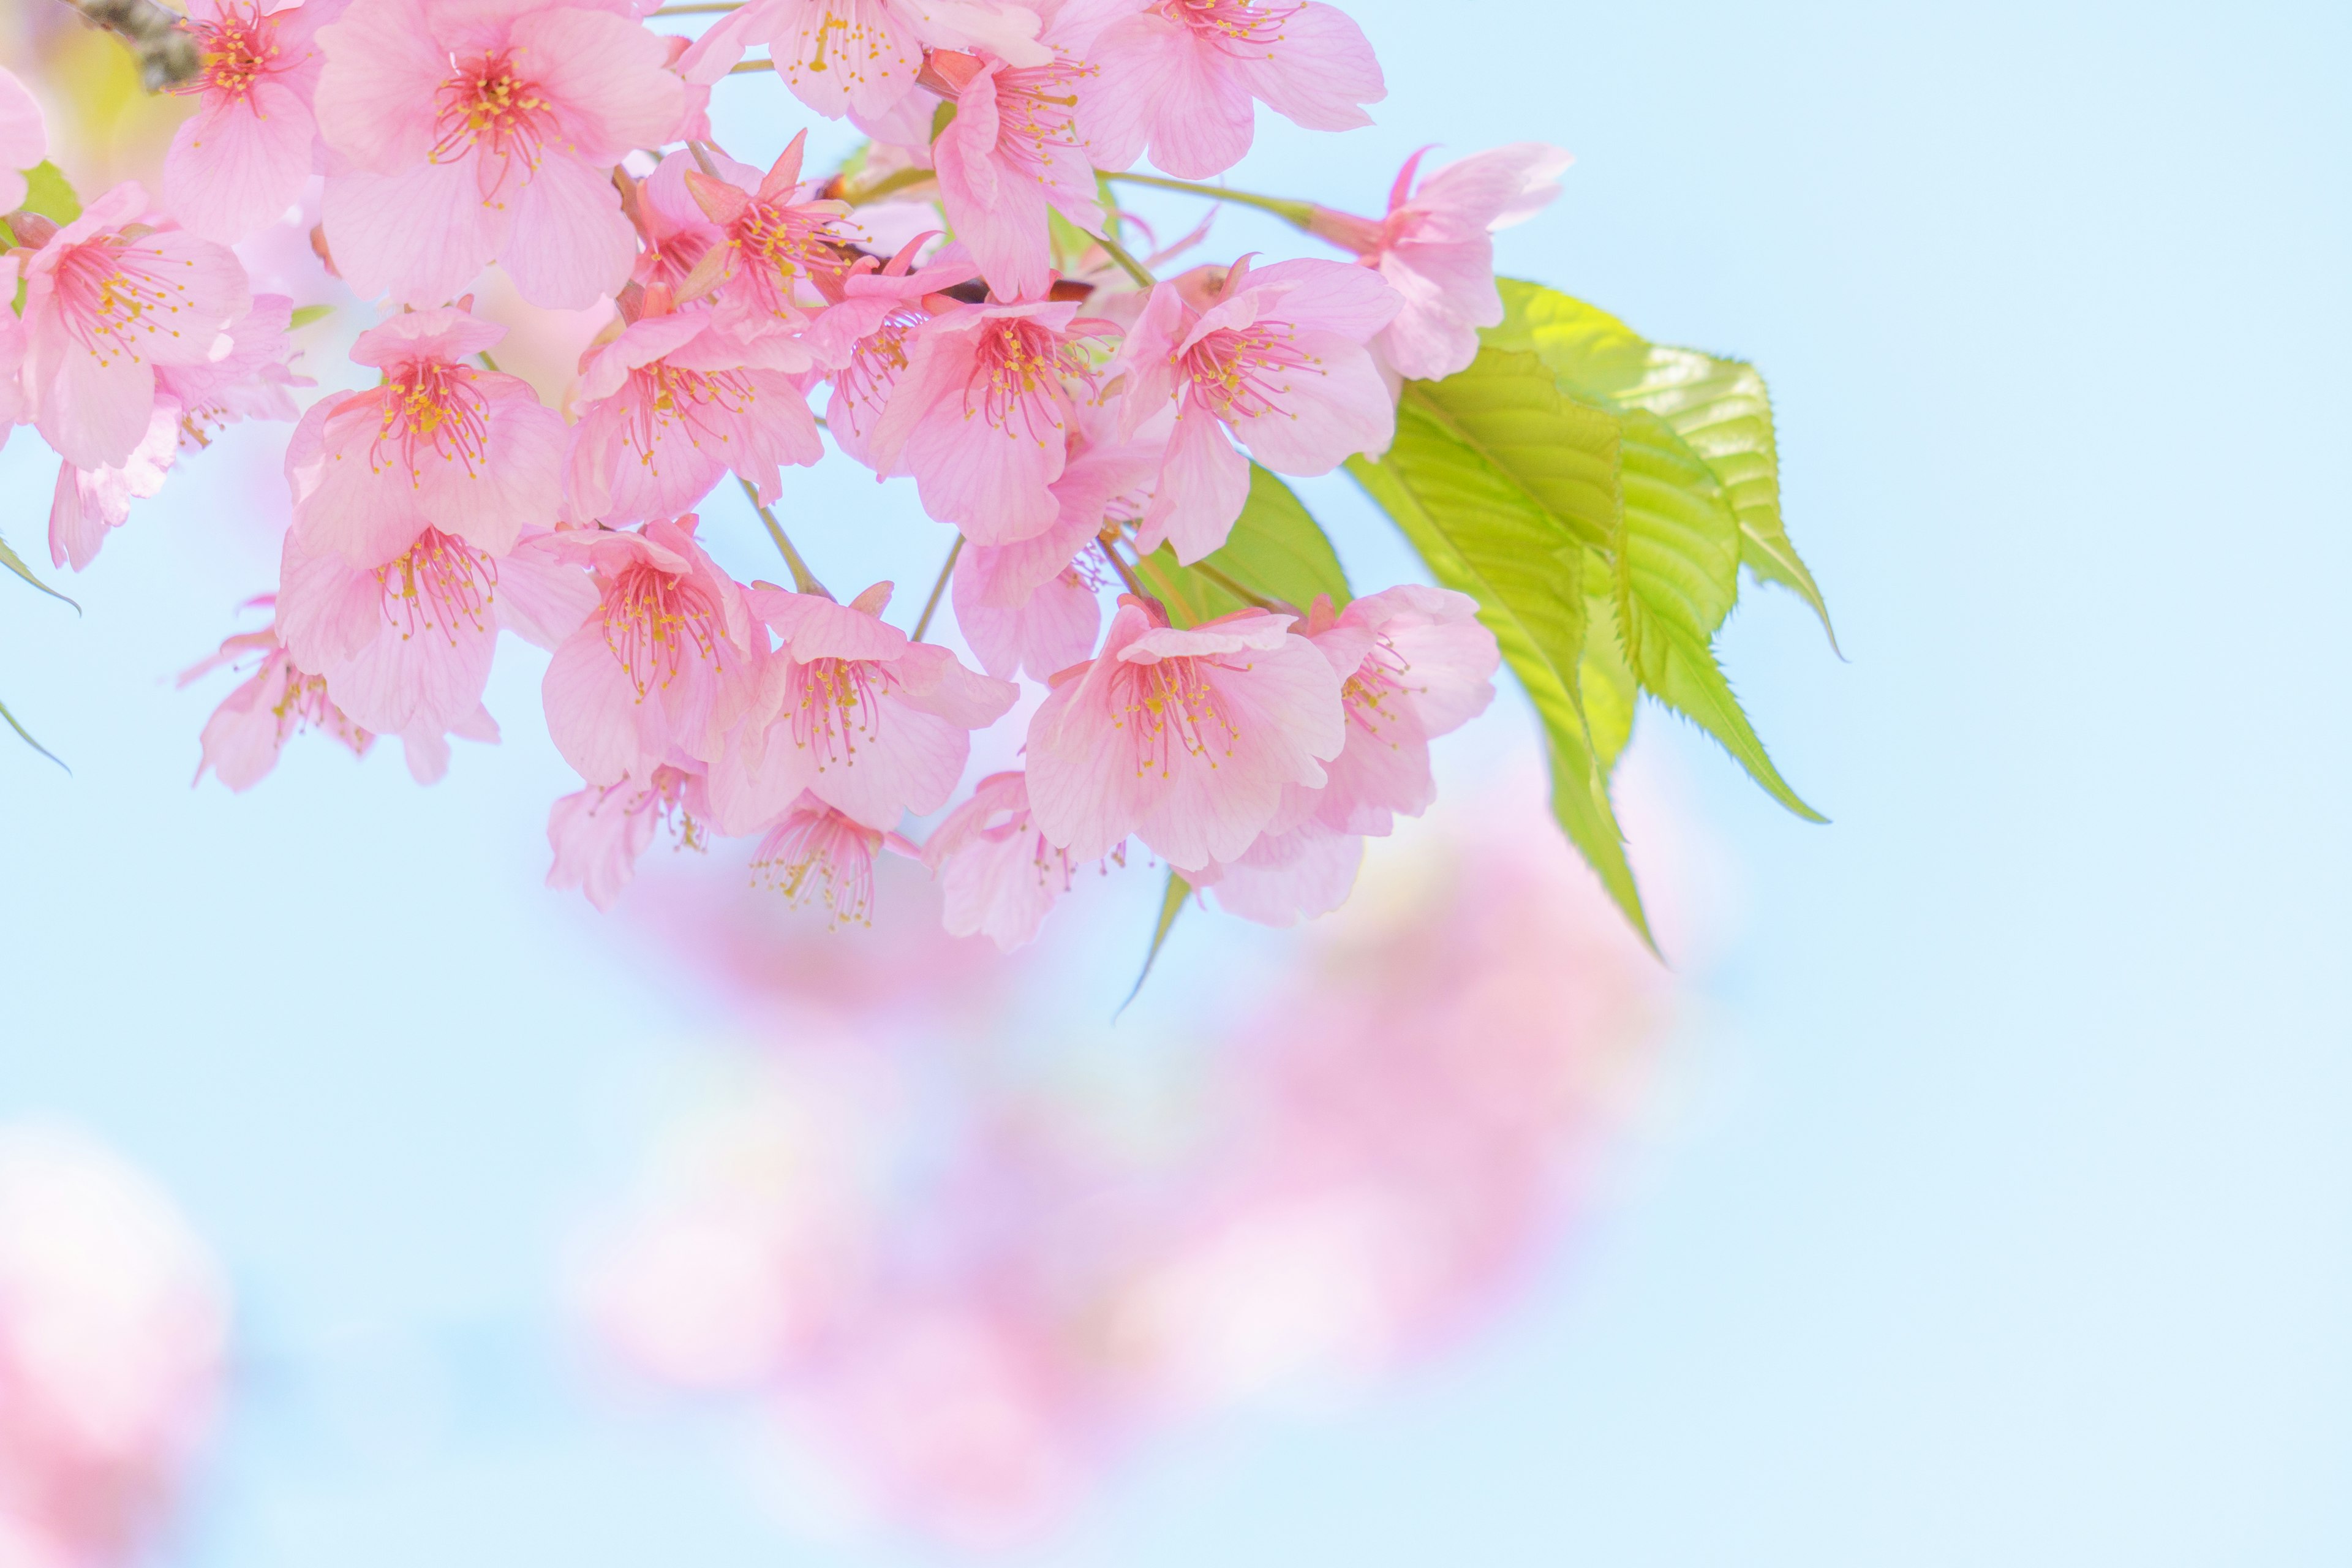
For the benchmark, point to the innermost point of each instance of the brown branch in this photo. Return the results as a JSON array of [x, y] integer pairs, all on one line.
[[167, 52]]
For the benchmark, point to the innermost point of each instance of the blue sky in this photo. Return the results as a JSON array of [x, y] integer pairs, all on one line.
[[2002, 1214]]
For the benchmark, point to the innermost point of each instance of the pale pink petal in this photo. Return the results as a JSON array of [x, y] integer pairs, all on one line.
[[1293, 877], [594, 714], [24, 137], [375, 100], [542, 598], [1204, 484], [1321, 73], [597, 835], [571, 244], [237, 165], [606, 76], [420, 236], [1326, 412], [1202, 116]]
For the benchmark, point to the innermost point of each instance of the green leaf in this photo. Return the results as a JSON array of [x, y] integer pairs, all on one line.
[[1509, 411], [27, 738], [1484, 536], [1171, 904], [1276, 552], [1719, 407], [306, 314], [15, 562], [49, 192]]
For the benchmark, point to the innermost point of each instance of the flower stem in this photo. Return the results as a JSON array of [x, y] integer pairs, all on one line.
[[1294, 212], [1117, 252], [1126, 572], [804, 580], [1245, 595], [740, 67], [699, 10], [702, 159], [931, 605]]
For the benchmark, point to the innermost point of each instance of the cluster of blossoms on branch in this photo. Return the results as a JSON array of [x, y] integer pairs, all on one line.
[[961, 302]]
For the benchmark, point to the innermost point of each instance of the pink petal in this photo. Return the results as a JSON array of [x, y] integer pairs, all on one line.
[[420, 236], [571, 244], [237, 164], [1204, 484], [1320, 73]]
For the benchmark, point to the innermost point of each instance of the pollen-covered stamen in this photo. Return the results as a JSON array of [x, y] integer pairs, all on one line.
[[1370, 695], [779, 243], [1241, 372], [304, 704], [118, 298], [441, 582], [1243, 28], [1017, 369], [874, 368], [1037, 114], [664, 797], [661, 395], [821, 853], [433, 408], [836, 704], [652, 619], [1171, 705], [239, 49], [486, 106]]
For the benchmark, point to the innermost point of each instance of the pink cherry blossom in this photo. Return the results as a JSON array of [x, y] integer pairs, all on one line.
[[1276, 362], [981, 415], [674, 403], [1013, 150], [860, 57], [998, 875], [108, 300], [439, 444], [239, 162], [1285, 877], [23, 140], [1435, 249], [473, 133], [862, 337], [1179, 77], [1184, 739], [598, 833], [242, 738], [114, 1325], [815, 853], [664, 665], [773, 239], [89, 503], [856, 712]]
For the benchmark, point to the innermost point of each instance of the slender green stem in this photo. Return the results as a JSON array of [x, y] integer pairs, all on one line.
[[1245, 595], [702, 159], [1117, 252], [1296, 212], [804, 580], [700, 10], [488, 363], [931, 605], [740, 67], [1126, 572], [888, 184]]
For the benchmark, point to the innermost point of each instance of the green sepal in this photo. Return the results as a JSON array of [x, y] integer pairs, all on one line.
[[49, 192], [1171, 904]]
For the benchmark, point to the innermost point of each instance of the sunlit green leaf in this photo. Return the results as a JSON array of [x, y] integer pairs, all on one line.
[[305, 314], [49, 192], [1171, 904], [1276, 552], [15, 562], [27, 738]]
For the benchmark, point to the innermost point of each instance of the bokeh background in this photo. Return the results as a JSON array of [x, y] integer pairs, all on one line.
[[1990, 1198]]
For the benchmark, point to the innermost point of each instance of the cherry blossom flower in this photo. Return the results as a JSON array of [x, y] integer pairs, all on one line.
[[472, 134], [1178, 78], [240, 160], [1285, 877], [981, 415], [674, 403], [861, 57], [597, 834], [853, 712], [772, 239], [998, 875], [662, 667], [442, 445], [23, 140], [1434, 247], [863, 338], [242, 738], [1277, 359], [1184, 739], [90, 503], [114, 1325], [814, 853], [1013, 150], [108, 300]]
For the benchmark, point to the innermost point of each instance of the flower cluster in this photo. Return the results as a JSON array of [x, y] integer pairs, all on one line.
[[959, 299]]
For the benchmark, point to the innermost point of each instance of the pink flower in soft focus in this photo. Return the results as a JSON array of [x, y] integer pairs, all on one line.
[[1277, 360], [813, 852], [1288, 877], [1178, 78], [982, 413], [1184, 739], [598, 833], [665, 663], [864, 338], [860, 57], [107, 301], [246, 733], [23, 140], [253, 381], [239, 162], [89, 503], [472, 134], [1435, 249], [997, 874], [1011, 151], [1415, 663], [113, 1340], [675, 402], [406, 646], [853, 712], [439, 444], [772, 239]]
